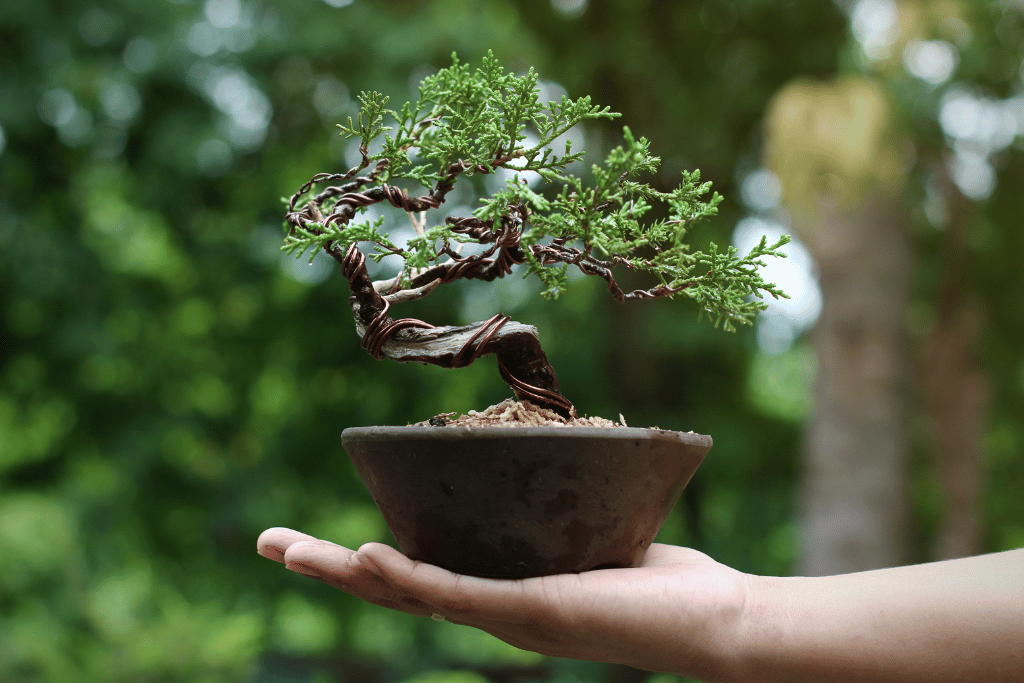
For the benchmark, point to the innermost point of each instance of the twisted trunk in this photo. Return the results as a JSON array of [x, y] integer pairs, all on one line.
[[521, 360]]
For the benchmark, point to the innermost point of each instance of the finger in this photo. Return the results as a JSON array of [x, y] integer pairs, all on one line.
[[273, 543], [338, 566], [455, 596], [322, 558], [524, 612]]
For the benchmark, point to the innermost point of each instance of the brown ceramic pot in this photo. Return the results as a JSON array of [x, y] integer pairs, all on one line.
[[529, 501]]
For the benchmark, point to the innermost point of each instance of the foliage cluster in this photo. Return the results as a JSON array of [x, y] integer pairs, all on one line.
[[467, 122]]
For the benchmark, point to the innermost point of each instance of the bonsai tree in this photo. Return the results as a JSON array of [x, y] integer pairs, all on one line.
[[469, 122]]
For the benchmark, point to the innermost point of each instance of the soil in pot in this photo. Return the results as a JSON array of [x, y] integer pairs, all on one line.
[[482, 497]]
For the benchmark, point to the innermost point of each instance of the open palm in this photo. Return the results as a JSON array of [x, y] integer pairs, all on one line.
[[670, 613]]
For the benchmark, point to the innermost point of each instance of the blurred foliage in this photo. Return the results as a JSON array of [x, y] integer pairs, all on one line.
[[170, 387]]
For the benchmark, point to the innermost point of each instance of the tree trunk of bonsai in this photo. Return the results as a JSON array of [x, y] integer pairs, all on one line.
[[521, 360]]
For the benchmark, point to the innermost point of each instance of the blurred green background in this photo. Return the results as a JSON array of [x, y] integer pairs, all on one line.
[[170, 385]]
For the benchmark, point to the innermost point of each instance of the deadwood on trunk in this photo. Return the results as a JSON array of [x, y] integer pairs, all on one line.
[[521, 360]]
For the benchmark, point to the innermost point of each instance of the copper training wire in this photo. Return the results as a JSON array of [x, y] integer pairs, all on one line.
[[395, 196], [381, 328], [491, 327], [509, 239], [542, 397]]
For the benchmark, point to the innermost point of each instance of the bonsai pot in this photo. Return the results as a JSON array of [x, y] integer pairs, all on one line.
[[525, 501]]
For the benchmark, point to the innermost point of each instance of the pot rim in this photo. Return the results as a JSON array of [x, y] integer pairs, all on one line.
[[394, 433]]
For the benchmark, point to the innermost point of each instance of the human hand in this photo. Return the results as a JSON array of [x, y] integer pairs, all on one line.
[[679, 612]]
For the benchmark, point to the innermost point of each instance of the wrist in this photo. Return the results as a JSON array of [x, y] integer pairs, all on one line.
[[758, 632]]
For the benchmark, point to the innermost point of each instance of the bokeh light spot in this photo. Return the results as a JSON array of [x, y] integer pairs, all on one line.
[[570, 8], [140, 55], [931, 60]]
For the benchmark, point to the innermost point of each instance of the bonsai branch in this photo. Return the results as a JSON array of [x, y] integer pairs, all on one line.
[[506, 243], [350, 196]]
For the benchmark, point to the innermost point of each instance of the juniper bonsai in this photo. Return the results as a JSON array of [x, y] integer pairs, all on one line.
[[467, 122]]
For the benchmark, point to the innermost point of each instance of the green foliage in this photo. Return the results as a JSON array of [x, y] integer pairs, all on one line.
[[370, 121], [313, 237], [478, 117], [476, 121]]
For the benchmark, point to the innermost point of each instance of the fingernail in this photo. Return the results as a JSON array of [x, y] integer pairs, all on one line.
[[271, 553], [367, 563], [304, 569]]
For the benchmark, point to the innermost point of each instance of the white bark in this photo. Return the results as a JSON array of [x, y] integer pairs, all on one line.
[[438, 342]]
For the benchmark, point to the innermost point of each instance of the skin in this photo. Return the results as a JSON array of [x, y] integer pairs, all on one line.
[[682, 612]]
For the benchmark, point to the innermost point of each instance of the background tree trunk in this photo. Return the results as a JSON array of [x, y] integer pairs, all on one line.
[[855, 485], [842, 163], [956, 387], [956, 392]]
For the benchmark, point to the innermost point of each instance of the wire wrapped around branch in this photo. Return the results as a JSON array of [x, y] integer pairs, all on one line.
[[350, 198], [471, 350], [542, 397], [345, 205], [559, 253], [381, 327], [507, 243]]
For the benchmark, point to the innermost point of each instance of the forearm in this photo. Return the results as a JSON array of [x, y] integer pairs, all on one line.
[[958, 620]]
